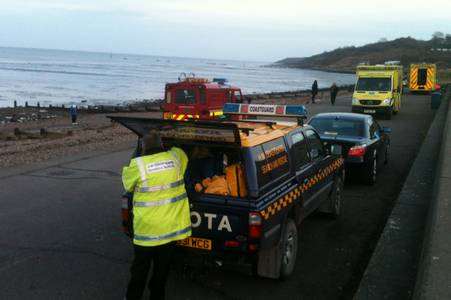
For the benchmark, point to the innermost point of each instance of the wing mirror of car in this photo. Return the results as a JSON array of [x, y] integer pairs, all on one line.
[[386, 129], [336, 149]]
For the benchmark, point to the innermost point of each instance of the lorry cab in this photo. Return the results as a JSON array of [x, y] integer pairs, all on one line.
[[198, 98], [250, 184], [378, 89]]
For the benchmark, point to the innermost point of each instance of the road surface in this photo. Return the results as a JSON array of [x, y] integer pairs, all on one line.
[[60, 236]]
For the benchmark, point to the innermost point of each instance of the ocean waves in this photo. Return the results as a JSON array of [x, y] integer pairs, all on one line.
[[64, 77], [61, 72]]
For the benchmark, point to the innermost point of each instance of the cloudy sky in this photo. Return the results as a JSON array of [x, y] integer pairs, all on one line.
[[258, 30]]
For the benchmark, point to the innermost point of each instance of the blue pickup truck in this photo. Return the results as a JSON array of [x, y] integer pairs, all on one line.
[[284, 175]]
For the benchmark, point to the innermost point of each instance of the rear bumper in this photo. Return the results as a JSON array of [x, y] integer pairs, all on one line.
[[230, 260], [354, 161]]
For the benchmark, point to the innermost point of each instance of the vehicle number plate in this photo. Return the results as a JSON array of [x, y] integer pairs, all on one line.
[[198, 243], [369, 111]]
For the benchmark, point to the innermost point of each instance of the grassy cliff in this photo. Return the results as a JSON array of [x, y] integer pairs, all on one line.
[[407, 50]]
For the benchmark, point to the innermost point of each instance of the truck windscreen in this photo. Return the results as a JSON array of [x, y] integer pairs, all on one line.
[[185, 97], [367, 84]]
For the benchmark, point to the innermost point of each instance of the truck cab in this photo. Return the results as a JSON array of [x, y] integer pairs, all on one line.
[[378, 89], [250, 184], [198, 98]]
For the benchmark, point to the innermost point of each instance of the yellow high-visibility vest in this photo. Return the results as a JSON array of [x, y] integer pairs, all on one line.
[[160, 203]]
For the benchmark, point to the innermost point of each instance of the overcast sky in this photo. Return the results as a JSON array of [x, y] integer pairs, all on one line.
[[228, 29]]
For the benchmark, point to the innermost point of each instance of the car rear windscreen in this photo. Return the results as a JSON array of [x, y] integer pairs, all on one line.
[[339, 127], [373, 84], [422, 76]]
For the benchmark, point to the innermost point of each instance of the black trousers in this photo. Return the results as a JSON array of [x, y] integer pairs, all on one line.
[[313, 97], [161, 256], [332, 98]]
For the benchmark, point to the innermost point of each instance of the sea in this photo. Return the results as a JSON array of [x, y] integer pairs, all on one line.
[[91, 78]]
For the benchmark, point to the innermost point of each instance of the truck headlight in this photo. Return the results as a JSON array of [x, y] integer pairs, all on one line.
[[386, 101], [355, 101]]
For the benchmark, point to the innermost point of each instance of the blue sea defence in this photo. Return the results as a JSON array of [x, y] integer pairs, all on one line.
[[73, 77]]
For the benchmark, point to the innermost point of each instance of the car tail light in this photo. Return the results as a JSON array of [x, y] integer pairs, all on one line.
[[255, 225], [357, 151], [253, 247], [231, 244]]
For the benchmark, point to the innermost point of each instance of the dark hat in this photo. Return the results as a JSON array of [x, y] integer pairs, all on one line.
[[151, 143]]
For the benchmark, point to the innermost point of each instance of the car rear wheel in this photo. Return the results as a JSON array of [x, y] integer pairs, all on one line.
[[289, 249], [387, 155], [371, 171]]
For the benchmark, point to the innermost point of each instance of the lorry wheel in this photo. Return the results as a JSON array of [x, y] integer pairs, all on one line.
[[289, 249], [336, 199], [371, 171]]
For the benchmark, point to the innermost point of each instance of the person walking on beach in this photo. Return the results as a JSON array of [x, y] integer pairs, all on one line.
[[73, 114], [314, 90], [333, 93], [161, 213]]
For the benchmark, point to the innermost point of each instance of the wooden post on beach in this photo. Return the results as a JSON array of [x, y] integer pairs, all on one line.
[[17, 132], [15, 103], [43, 132], [26, 103], [39, 105]]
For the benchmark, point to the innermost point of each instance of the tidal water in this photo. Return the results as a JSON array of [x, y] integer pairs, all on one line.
[[65, 77]]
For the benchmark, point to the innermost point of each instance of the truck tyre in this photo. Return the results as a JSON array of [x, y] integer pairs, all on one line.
[[370, 170], [336, 199], [333, 206], [289, 249]]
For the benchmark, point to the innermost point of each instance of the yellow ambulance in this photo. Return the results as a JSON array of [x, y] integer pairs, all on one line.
[[423, 77], [378, 89]]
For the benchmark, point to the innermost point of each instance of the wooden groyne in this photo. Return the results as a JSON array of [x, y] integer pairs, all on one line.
[[155, 105]]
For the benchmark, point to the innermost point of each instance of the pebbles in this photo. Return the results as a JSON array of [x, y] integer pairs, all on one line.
[[43, 139], [31, 151], [23, 115]]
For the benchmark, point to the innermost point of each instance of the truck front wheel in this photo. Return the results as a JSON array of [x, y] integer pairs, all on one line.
[[336, 200], [289, 249]]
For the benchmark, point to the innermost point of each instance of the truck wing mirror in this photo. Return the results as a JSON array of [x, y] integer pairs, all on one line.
[[336, 149]]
